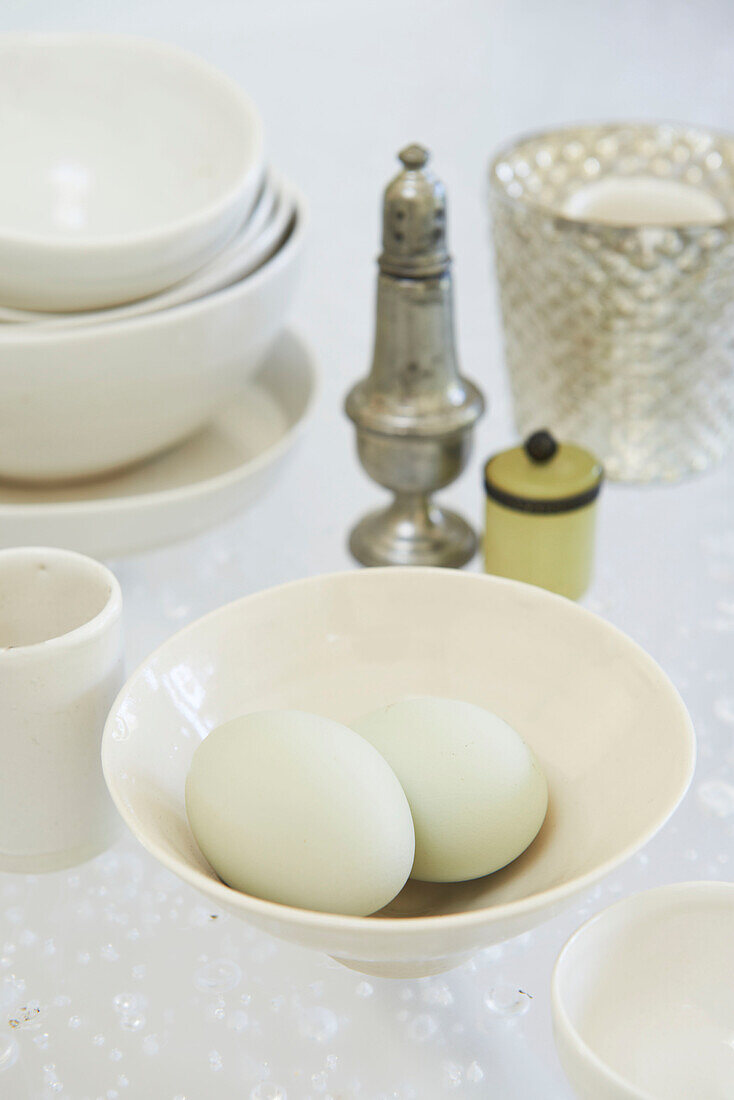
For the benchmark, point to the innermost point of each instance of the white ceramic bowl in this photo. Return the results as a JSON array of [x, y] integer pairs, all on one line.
[[608, 727], [254, 243], [132, 163], [234, 257], [214, 475], [80, 402], [643, 997]]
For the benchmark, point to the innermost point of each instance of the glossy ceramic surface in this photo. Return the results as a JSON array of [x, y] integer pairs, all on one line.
[[608, 728], [643, 997], [133, 163], [200, 483], [87, 401], [60, 668], [255, 241]]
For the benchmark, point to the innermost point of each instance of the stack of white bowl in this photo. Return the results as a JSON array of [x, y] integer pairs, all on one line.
[[148, 255]]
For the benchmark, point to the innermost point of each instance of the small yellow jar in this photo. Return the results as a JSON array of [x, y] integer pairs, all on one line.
[[541, 514]]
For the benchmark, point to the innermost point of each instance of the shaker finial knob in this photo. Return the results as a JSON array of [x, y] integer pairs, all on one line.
[[414, 157], [414, 219]]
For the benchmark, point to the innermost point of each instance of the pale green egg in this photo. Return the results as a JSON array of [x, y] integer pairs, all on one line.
[[298, 809], [476, 792]]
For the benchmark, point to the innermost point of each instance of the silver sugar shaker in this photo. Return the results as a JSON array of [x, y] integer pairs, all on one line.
[[414, 413]]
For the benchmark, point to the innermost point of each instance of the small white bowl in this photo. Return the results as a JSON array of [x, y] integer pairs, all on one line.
[[252, 225], [609, 729], [132, 163], [643, 997], [80, 402], [254, 243]]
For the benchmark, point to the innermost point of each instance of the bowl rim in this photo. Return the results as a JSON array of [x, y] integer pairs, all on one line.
[[249, 172], [590, 225], [638, 900], [384, 927], [51, 320], [81, 333]]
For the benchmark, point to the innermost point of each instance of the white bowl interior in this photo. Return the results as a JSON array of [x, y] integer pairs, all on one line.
[[609, 729], [260, 237], [45, 594], [113, 136], [648, 989]]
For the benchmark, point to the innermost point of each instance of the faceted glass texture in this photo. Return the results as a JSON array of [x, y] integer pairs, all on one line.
[[618, 338]]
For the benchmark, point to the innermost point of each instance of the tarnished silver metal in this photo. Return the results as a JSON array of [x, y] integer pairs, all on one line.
[[414, 413]]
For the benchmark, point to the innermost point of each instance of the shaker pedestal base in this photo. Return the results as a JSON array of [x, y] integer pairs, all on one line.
[[413, 531]]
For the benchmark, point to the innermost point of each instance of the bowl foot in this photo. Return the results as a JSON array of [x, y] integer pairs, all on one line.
[[408, 968]]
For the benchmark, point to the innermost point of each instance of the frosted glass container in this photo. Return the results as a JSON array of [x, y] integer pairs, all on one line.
[[615, 264]]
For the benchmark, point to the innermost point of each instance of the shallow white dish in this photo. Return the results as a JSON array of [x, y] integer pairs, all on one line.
[[607, 726], [643, 997], [132, 164], [254, 242], [200, 483], [81, 402]]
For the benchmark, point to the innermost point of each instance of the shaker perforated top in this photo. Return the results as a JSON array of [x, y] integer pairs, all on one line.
[[414, 219]]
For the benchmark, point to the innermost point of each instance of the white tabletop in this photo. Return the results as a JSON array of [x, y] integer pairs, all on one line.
[[140, 991]]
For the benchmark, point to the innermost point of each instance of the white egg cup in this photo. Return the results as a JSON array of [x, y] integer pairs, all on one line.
[[606, 725], [643, 997], [61, 665]]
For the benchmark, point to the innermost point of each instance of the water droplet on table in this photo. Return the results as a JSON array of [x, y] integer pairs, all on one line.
[[474, 1072], [238, 1021], [717, 797], [132, 1022], [126, 1003], [319, 1024], [438, 995], [724, 709], [27, 1017], [151, 1045], [219, 976], [452, 1075], [9, 1051], [507, 1000], [267, 1091], [422, 1027]]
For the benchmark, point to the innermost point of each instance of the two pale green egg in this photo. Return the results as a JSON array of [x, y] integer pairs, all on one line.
[[301, 810]]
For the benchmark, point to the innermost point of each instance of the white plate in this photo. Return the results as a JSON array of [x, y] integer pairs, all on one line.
[[198, 484]]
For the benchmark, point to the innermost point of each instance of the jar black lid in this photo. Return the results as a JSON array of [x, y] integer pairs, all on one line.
[[543, 476]]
